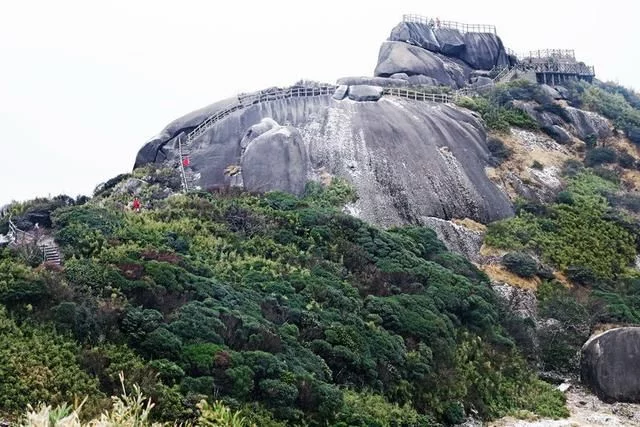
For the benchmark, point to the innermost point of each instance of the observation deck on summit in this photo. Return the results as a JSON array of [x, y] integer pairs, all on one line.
[[553, 66], [462, 27]]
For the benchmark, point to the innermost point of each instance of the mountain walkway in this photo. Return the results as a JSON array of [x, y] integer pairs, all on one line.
[[185, 143], [50, 251]]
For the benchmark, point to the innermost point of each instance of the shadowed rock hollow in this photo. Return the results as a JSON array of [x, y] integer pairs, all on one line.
[[407, 159]]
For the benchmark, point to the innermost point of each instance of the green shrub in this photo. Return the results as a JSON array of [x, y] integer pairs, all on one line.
[[601, 155], [520, 263]]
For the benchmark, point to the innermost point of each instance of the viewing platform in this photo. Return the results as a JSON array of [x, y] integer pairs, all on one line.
[[462, 27], [553, 66]]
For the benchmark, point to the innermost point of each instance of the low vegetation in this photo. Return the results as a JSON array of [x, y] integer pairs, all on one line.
[[284, 308]]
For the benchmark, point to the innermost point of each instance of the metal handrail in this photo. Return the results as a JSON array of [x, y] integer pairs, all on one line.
[[460, 26]]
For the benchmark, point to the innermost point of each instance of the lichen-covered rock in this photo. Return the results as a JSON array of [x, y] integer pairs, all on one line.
[[417, 34], [610, 364], [398, 57], [275, 158], [406, 159]]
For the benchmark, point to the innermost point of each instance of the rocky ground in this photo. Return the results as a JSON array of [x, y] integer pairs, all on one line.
[[586, 411]]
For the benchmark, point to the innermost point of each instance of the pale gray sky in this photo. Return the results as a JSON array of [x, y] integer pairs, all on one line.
[[83, 84]]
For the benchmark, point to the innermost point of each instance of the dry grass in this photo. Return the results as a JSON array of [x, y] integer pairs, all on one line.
[[470, 224], [498, 273]]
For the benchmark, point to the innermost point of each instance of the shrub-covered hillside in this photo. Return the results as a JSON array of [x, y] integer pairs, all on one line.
[[285, 308]]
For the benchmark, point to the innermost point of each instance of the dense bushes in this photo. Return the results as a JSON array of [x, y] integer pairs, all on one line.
[[284, 307], [578, 232], [610, 100]]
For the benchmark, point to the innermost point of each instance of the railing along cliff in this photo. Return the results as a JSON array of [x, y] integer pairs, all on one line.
[[462, 27], [244, 101]]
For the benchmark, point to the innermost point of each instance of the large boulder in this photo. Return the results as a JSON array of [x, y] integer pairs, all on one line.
[[610, 365], [451, 41], [365, 93], [586, 123], [483, 51], [406, 159], [398, 57], [275, 158], [417, 34], [374, 81]]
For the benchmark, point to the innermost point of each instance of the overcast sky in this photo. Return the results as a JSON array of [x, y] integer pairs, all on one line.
[[83, 84]]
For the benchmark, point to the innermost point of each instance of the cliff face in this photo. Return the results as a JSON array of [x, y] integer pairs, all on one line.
[[407, 159]]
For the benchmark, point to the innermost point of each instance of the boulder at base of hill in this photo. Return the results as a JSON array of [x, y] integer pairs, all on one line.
[[365, 93], [610, 365], [275, 159]]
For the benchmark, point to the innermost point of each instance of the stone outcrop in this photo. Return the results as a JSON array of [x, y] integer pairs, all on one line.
[[610, 364], [274, 158], [445, 55], [483, 51], [582, 124], [406, 159], [365, 93], [587, 123], [417, 34], [398, 57], [457, 238]]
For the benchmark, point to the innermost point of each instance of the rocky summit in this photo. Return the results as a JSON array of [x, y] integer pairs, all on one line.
[[408, 158]]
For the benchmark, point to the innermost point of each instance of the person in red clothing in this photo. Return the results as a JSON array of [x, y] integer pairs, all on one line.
[[185, 161], [136, 204]]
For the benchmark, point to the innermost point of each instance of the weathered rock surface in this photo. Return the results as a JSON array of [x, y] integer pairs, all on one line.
[[457, 238], [365, 93], [374, 81], [451, 41], [407, 159], [483, 51], [275, 158], [398, 57], [610, 364], [417, 34], [587, 123]]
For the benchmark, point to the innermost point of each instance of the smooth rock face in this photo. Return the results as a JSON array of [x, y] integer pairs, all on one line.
[[365, 93], [398, 57], [406, 159], [610, 365], [274, 159], [451, 41], [417, 34], [483, 51]]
